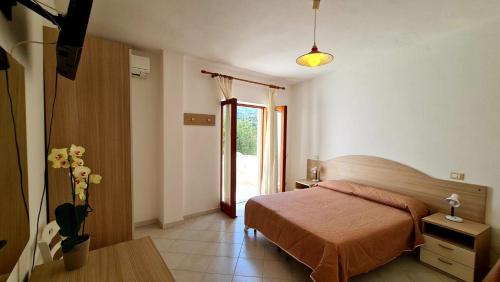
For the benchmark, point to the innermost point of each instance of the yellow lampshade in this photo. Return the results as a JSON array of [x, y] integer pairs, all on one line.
[[314, 58]]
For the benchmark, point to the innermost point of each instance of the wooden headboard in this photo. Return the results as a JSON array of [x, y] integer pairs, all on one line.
[[402, 179]]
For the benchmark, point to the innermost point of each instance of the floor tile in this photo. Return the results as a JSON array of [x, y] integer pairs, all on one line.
[[273, 253], [172, 260], [170, 233], [227, 227], [252, 250], [188, 247], [200, 235], [249, 267], [211, 277], [222, 249], [199, 224], [222, 265], [246, 279], [299, 271], [187, 276], [228, 237], [162, 244], [276, 280], [277, 269], [195, 262]]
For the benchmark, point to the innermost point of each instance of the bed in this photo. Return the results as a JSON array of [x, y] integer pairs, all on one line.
[[344, 227], [494, 274], [339, 229]]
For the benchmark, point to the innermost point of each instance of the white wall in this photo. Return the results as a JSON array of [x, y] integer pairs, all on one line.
[[434, 106], [28, 26], [146, 96]]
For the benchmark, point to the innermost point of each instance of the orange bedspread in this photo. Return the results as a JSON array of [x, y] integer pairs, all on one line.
[[339, 229], [494, 274]]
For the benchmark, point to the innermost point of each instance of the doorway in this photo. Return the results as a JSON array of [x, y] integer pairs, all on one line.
[[249, 137], [242, 139]]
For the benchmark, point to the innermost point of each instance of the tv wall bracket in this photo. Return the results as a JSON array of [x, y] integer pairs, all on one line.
[[72, 25], [6, 8]]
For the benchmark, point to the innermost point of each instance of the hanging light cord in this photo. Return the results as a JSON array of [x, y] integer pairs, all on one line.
[[315, 10]]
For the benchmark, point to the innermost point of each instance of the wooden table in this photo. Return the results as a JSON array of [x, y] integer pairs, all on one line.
[[136, 260]]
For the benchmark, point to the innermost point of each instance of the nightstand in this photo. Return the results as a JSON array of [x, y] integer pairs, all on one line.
[[304, 183], [459, 249]]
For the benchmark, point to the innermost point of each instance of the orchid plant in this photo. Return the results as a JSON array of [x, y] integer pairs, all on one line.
[[71, 216]]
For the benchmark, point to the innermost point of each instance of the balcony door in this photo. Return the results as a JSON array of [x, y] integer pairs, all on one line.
[[228, 157]]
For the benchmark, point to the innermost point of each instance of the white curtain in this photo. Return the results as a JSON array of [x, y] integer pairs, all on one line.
[[270, 162], [226, 88]]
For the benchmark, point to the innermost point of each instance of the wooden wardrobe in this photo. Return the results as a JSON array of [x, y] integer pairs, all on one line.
[[94, 111]]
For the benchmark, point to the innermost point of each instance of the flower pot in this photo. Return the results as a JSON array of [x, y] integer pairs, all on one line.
[[77, 256]]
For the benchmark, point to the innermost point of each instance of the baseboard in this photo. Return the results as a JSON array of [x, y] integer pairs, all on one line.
[[197, 214], [145, 222], [189, 216], [171, 224], [174, 223]]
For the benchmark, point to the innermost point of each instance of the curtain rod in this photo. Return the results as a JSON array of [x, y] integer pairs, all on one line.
[[214, 74]]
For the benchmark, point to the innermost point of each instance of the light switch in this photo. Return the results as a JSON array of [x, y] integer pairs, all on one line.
[[457, 175]]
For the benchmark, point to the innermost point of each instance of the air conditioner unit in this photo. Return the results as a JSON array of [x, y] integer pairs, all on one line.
[[139, 66]]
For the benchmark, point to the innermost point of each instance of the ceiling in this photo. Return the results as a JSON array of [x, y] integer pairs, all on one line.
[[267, 36]]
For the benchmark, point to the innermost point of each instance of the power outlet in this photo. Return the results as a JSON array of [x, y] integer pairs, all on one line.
[[457, 175]]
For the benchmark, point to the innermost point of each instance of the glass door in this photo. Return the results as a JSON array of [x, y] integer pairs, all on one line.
[[228, 157], [249, 141]]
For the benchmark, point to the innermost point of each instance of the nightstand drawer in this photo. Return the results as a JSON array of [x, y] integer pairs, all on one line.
[[450, 251], [452, 267]]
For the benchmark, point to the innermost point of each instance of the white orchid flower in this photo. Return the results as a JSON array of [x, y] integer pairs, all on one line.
[[80, 187], [58, 157], [76, 151], [62, 163], [81, 172], [80, 191], [77, 162], [95, 178]]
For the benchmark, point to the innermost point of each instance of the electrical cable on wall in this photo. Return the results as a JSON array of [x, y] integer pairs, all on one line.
[[46, 147], [11, 51], [16, 141]]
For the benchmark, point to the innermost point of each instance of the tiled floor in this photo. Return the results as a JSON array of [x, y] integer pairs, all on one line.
[[215, 248]]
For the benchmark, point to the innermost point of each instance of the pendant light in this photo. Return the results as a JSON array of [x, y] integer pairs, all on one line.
[[315, 58]]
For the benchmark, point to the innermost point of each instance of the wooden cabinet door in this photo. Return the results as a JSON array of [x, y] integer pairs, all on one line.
[[94, 111]]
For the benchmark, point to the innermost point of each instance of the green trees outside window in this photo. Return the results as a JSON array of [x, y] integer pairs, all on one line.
[[246, 140]]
